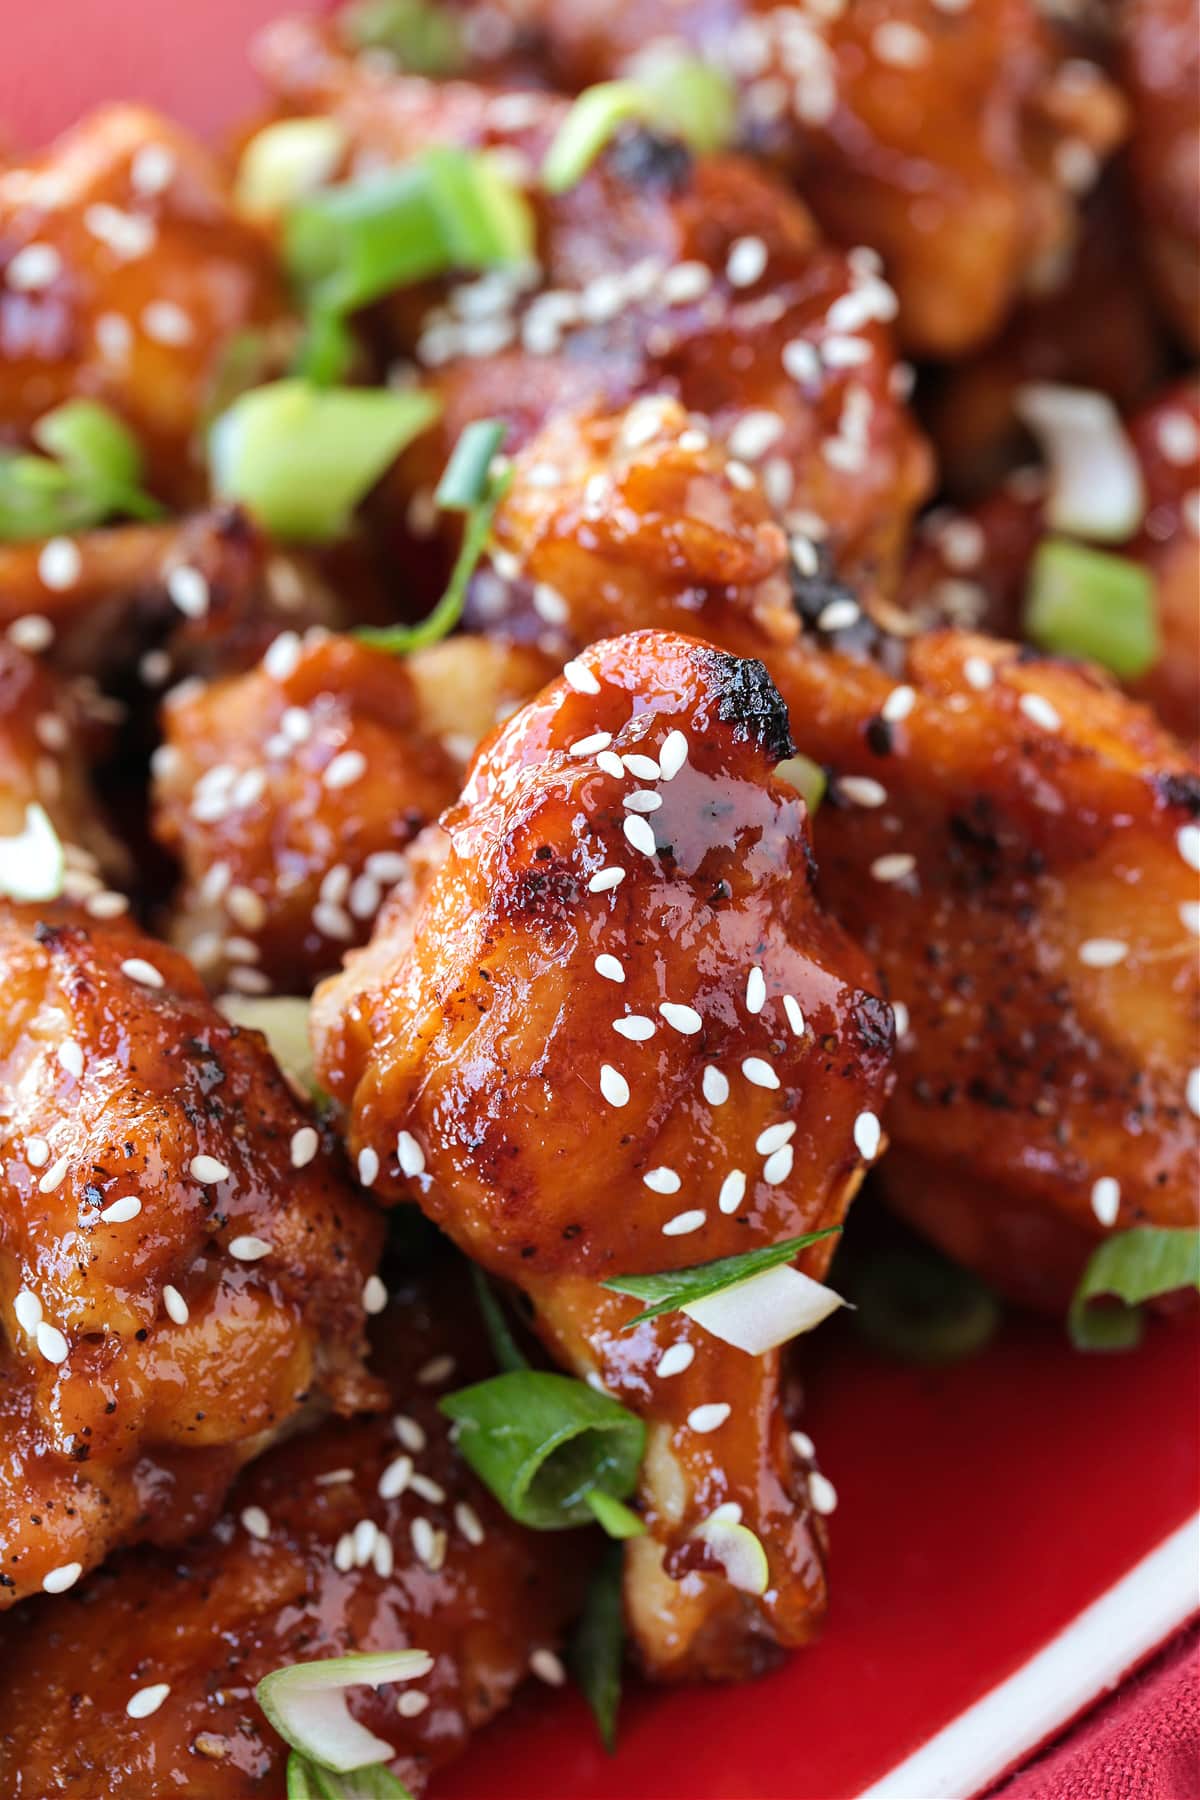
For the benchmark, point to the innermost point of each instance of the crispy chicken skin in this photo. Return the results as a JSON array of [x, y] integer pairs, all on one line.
[[1028, 1074], [517, 1000], [1160, 66], [125, 274], [698, 278], [256, 1594], [954, 139], [147, 1356]]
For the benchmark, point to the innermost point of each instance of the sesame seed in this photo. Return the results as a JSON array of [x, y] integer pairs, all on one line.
[[187, 590], [588, 746], [714, 1085], [778, 1166], [332, 921], [640, 835], [609, 968], [383, 1557], [364, 1538], [710, 1416], [51, 1342], [755, 433], [635, 1028], [410, 1434], [143, 972], [549, 604], [70, 1055], [411, 1704], [756, 991], [410, 1155], [147, 1700], [152, 170], [33, 267], [167, 323], [121, 1211], [54, 1175], [374, 1295], [674, 1361], [106, 904], [331, 1477], [368, 1165], [127, 235], [1106, 1199], [801, 362], [395, 1478], [425, 1543], [1103, 953], [32, 632], [348, 766], [175, 1305], [468, 1522], [684, 1223], [59, 564], [662, 1181], [580, 678], [255, 1521], [547, 1667], [642, 801], [899, 44], [900, 1015], [685, 282], [979, 673], [681, 1018], [1187, 840], [759, 1072], [822, 1493], [57, 1581], [305, 1144], [898, 705], [733, 1191], [746, 262], [673, 755], [249, 1249], [867, 1136], [428, 1490], [207, 1169], [606, 879], [343, 1555], [28, 1311], [774, 1138], [435, 1371], [643, 768], [740, 475], [862, 790], [610, 763], [802, 1444], [1192, 1092], [1189, 914], [613, 1085], [1039, 710], [839, 615], [893, 867], [37, 1153]]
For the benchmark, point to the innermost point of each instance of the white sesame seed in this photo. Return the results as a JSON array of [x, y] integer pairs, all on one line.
[[424, 1541], [803, 1445], [383, 1557], [610, 763], [427, 1489], [635, 1028], [839, 615], [674, 1361], [348, 766], [305, 1144], [979, 673], [1106, 1199], [756, 990], [1189, 914], [642, 768], [1187, 840], [754, 434], [175, 1306], [409, 1432], [395, 1478], [1039, 711], [662, 1181], [368, 1165], [1192, 1092], [862, 790], [547, 1667], [411, 1704], [207, 1169], [127, 235], [249, 1249], [143, 972], [673, 755], [894, 867], [331, 1477], [119, 1212], [410, 1155], [435, 1371], [33, 267], [746, 262], [898, 705], [54, 1175], [899, 44], [549, 604], [374, 1296], [639, 834], [774, 1138], [332, 921], [59, 564], [606, 879], [900, 1014], [167, 323], [684, 1223], [57, 1581], [70, 1055], [106, 904], [733, 1191], [37, 1153], [740, 475], [822, 1493], [28, 1311], [468, 1522], [580, 678], [365, 1536], [51, 1343], [684, 1019], [759, 1072], [152, 170], [255, 1521], [642, 801], [709, 1417], [187, 590], [588, 746], [714, 1085], [343, 1555], [1103, 953], [801, 362], [613, 1085], [867, 1136], [147, 1700], [778, 1166], [685, 282], [609, 968]]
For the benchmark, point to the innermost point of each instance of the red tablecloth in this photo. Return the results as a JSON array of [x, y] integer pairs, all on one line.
[[1143, 1743]]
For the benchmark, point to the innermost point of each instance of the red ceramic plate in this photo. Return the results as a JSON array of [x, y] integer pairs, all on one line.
[[1013, 1534]]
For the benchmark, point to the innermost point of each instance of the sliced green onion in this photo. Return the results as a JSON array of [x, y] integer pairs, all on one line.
[[92, 471], [692, 98], [32, 864], [504, 1344], [1131, 1266], [807, 777], [1096, 488], [472, 483], [300, 458], [540, 1442], [309, 1781], [677, 1288], [919, 1307], [613, 1516], [681, 95], [766, 1310], [424, 39], [1083, 602], [594, 1652], [283, 1021], [285, 161], [738, 1550], [592, 122], [306, 1704]]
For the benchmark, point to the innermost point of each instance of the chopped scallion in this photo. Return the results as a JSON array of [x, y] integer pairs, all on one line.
[[1131, 1267], [681, 95], [676, 1288], [594, 1653], [613, 1516], [285, 161], [283, 1021], [309, 1781], [593, 120], [423, 39], [306, 1704], [1084, 602], [918, 1307], [504, 1344], [807, 777], [92, 471], [32, 864]]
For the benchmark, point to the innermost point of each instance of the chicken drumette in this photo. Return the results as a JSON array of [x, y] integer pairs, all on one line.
[[606, 1029]]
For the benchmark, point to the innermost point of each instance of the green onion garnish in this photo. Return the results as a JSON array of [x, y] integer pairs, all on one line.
[[594, 1652], [678, 94], [1131, 1266], [613, 1516], [306, 1704], [423, 39], [917, 1306], [1083, 602], [807, 777], [283, 1021], [541, 1442], [92, 471], [676, 1288], [285, 161], [309, 1781], [300, 458], [504, 1344], [473, 483], [33, 864]]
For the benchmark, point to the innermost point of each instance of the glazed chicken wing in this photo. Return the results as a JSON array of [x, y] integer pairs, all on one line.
[[363, 1535], [605, 1029], [126, 272], [1161, 72], [181, 1263]]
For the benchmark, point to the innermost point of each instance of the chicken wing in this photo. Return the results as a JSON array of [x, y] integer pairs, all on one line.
[[363, 1535], [1161, 72], [126, 272], [616, 942], [181, 1262]]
